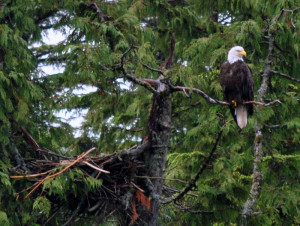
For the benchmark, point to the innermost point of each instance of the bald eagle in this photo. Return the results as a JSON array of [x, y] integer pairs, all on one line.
[[237, 85]]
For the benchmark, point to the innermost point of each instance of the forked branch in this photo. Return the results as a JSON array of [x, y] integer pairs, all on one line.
[[132, 78], [214, 101]]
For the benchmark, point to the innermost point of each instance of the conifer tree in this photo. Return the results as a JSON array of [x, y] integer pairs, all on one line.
[[158, 145]]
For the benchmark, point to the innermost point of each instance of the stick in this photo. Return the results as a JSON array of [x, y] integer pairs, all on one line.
[[204, 166], [153, 69], [285, 76], [137, 187], [31, 175], [96, 168], [60, 172], [130, 77]]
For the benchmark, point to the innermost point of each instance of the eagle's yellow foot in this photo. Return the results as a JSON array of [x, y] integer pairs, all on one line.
[[234, 103]]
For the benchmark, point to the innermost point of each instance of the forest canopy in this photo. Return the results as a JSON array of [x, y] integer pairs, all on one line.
[[158, 145]]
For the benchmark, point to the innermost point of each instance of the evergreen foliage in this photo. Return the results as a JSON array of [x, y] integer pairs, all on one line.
[[97, 34]]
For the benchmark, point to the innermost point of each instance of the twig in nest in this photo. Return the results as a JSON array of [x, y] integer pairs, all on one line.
[[32, 175], [60, 172], [95, 167], [137, 187]]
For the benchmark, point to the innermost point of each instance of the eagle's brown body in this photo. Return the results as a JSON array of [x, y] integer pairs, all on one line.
[[237, 84]]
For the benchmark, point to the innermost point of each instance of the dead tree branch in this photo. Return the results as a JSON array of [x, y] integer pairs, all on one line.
[[214, 101], [275, 126], [132, 78], [250, 204], [285, 76], [99, 12], [201, 93], [192, 184], [40, 182], [153, 69], [291, 11], [262, 104]]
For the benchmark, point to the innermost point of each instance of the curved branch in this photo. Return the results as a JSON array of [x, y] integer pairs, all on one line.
[[192, 184], [153, 69], [285, 76], [98, 11], [80, 157], [132, 78], [201, 93], [214, 101], [291, 23], [275, 126], [262, 104], [136, 151]]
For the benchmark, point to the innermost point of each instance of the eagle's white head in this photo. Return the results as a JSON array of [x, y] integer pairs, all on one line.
[[236, 53]]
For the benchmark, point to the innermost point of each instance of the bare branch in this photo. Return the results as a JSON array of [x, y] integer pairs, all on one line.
[[136, 151], [291, 23], [99, 12], [262, 104], [60, 172], [168, 63], [137, 187], [153, 69], [132, 78], [192, 184], [275, 126], [214, 101], [95, 167], [200, 92], [285, 76], [29, 139]]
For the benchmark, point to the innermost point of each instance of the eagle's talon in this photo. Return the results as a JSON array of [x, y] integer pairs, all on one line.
[[234, 103]]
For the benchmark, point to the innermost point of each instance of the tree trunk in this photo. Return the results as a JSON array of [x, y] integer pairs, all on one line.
[[159, 127]]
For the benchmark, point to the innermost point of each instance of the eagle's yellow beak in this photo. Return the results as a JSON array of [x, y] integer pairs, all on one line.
[[243, 53]]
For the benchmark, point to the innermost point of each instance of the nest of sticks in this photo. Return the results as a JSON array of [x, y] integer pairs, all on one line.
[[120, 174]]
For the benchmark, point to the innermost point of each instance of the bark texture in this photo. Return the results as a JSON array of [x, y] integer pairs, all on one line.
[[250, 204], [159, 128]]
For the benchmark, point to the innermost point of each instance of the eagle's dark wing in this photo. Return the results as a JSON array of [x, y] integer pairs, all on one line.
[[247, 85], [237, 84]]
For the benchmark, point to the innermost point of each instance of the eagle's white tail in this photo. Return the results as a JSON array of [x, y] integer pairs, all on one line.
[[241, 116]]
